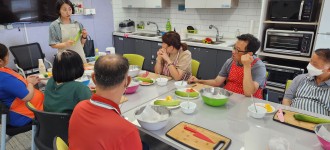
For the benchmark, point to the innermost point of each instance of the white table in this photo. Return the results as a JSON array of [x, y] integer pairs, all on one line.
[[233, 121]]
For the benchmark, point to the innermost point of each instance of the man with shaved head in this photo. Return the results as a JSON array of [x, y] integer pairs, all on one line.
[[97, 123]]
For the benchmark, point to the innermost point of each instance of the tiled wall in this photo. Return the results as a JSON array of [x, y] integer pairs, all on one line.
[[227, 20]]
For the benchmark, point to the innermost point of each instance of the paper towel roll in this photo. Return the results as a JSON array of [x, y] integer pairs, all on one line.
[[251, 26]]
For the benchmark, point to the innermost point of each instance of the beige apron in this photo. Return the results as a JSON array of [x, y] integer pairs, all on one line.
[[69, 31]]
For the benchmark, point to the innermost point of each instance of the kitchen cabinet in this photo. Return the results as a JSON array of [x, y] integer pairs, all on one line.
[[133, 3], [211, 3], [145, 3], [124, 45], [143, 49], [155, 46], [207, 58], [222, 57]]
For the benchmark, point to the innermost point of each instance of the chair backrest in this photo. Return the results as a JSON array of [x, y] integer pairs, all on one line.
[[27, 55], [49, 125], [288, 83], [194, 67], [135, 59], [59, 144]]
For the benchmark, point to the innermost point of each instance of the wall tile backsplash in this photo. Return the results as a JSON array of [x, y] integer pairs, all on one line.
[[227, 20]]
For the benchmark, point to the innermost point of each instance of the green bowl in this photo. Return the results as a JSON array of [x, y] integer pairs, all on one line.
[[209, 96]]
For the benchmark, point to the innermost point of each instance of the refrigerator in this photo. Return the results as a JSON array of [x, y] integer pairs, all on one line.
[[323, 35]]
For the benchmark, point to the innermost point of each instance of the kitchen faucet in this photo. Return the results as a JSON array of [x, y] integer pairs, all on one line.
[[217, 37], [158, 31]]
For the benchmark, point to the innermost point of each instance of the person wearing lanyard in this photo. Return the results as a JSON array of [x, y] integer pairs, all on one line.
[[97, 123], [65, 33], [173, 59], [244, 73], [311, 91]]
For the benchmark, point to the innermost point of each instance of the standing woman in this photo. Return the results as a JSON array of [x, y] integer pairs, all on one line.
[[64, 33], [173, 59]]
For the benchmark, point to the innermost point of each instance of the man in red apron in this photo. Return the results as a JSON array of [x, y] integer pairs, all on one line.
[[244, 73]]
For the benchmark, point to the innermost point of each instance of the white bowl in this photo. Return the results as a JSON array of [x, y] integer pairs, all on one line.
[[180, 84], [133, 70], [188, 107], [161, 81], [162, 110], [261, 111]]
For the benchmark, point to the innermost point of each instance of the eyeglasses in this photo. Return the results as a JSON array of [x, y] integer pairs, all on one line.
[[238, 51]]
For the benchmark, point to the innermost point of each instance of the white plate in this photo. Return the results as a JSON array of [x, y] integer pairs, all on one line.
[[141, 83], [184, 90], [169, 107], [263, 105]]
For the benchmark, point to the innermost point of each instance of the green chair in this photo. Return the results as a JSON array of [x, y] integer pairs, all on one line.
[[135, 59], [287, 85], [194, 67], [59, 144]]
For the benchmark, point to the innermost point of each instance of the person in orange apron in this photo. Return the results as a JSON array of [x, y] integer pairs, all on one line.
[[244, 73], [173, 59], [15, 91], [65, 33]]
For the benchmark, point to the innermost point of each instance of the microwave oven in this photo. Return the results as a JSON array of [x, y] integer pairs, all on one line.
[[292, 10], [289, 42], [278, 74]]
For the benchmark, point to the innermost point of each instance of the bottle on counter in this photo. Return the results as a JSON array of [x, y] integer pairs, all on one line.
[[168, 25], [42, 68], [97, 54]]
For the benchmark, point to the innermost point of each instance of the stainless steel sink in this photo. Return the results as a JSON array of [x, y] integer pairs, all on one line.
[[201, 41], [145, 34]]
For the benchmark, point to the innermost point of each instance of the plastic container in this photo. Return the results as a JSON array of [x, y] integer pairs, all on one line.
[[324, 142], [41, 66], [260, 113], [161, 81], [180, 84], [132, 87], [188, 107]]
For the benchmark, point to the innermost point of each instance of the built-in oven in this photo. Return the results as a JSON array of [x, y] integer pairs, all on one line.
[[290, 42], [292, 10], [278, 75]]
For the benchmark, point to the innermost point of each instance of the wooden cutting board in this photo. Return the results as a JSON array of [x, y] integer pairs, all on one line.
[[185, 137], [154, 76], [291, 121], [198, 86]]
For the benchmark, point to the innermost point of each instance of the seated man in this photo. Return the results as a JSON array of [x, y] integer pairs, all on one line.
[[311, 91], [244, 73], [97, 123]]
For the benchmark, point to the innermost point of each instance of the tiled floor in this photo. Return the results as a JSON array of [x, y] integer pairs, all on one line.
[[23, 142]]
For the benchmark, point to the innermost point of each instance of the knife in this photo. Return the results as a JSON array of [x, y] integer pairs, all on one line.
[[280, 115], [198, 134]]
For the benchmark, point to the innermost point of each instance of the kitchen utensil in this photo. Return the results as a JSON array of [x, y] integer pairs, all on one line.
[[180, 84], [198, 134], [254, 104], [324, 139], [188, 107], [280, 115], [132, 87], [211, 96], [260, 113], [161, 110], [161, 81], [127, 26]]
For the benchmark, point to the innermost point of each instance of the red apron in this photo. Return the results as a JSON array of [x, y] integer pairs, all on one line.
[[18, 105], [235, 80]]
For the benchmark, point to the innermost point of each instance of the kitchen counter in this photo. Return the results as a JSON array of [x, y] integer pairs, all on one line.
[[224, 46]]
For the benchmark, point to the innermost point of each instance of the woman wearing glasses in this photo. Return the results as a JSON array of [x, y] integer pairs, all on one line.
[[244, 73], [173, 59]]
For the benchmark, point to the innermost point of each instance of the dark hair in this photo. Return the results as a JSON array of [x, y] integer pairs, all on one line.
[[110, 70], [3, 51], [324, 54], [67, 66], [173, 39], [253, 42], [59, 3]]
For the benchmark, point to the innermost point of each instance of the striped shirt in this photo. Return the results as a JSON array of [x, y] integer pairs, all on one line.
[[307, 95]]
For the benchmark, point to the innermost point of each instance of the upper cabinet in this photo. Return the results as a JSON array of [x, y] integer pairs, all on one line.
[[211, 3], [145, 3]]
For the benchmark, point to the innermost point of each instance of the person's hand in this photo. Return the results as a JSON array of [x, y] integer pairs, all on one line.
[[84, 33], [246, 59], [192, 79], [33, 79], [69, 43]]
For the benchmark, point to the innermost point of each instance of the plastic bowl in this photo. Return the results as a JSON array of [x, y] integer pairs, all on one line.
[[132, 87], [260, 113], [162, 110], [161, 81], [215, 96], [180, 84], [133, 70], [188, 107], [324, 142]]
